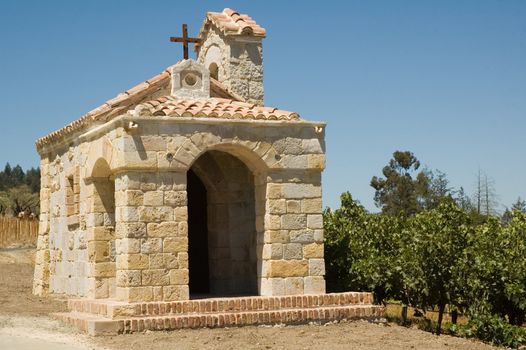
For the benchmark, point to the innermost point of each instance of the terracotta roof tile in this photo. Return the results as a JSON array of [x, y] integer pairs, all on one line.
[[231, 22], [227, 106], [222, 108], [100, 113]]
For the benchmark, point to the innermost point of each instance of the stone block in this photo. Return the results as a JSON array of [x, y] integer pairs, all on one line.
[[288, 145], [276, 236], [158, 261], [292, 251], [272, 286], [175, 198], [293, 206], [102, 269], [272, 251], [274, 191], [153, 198], [126, 214], [175, 245], [302, 236], [155, 277], [316, 161], [153, 143], [180, 292], [313, 250], [314, 285], [182, 260], [316, 267], [311, 206], [318, 236], [132, 198], [272, 222], [128, 278], [99, 251], [315, 221], [157, 293], [170, 261], [152, 245], [293, 221], [183, 229], [130, 229], [179, 277], [312, 146], [276, 206], [133, 261], [156, 214], [164, 229], [135, 294], [181, 214], [100, 233], [301, 191], [127, 246], [293, 285], [288, 268], [294, 161]]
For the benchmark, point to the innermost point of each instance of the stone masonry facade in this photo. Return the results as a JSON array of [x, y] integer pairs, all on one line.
[[121, 186]]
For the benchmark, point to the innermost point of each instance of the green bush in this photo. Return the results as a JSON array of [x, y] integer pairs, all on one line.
[[492, 329]]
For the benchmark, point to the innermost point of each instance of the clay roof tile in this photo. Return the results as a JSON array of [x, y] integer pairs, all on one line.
[[231, 22]]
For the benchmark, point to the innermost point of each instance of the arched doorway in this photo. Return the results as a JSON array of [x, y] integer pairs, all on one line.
[[221, 226]]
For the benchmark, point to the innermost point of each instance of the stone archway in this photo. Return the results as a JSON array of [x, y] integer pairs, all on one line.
[[101, 229], [229, 219]]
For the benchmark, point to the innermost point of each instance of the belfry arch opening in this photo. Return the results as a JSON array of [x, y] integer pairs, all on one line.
[[221, 226], [214, 71]]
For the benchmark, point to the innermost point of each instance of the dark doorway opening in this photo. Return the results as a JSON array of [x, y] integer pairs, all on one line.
[[197, 235]]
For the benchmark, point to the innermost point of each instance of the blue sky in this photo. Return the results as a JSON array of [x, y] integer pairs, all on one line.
[[443, 79]]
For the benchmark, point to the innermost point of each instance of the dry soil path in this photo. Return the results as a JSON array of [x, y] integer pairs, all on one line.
[[24, 324]]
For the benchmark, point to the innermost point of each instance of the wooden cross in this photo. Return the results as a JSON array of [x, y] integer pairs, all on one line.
[[185, 40]]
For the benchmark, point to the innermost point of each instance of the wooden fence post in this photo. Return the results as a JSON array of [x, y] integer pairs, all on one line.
[[16, 232]]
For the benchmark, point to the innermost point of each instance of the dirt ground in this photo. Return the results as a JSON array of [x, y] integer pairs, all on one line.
[[24, 324]]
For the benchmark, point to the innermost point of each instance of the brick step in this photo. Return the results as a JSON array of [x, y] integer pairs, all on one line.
[[120, 310], [98, 325]]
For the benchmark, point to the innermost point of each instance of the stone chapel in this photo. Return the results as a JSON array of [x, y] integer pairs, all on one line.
[[185, 202]]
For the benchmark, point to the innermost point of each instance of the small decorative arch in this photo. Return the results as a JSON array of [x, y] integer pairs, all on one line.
[[101, 169], [101, 245], [100, 158]]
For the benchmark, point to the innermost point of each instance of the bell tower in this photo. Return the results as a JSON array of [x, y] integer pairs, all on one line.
[[231, 49]]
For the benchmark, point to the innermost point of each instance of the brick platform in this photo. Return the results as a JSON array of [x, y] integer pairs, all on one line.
[[108, 317]]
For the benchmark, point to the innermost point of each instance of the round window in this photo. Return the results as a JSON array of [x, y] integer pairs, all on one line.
[[190, 79]]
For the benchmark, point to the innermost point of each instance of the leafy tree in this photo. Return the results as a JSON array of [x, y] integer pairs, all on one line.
[[406, 190], [32, 179], [435, 189], [497, 269], [19, 199], [396, 192], [437, 241], [519, 205], [362, 251], [5, 178], [17, 176], [14, 177]]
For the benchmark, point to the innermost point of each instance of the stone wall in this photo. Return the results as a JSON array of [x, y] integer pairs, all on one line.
[[239, 60], [140, 253], [152, 242], [75, 245]]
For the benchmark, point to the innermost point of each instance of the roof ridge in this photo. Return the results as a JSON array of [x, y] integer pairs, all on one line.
[[231, 22]]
